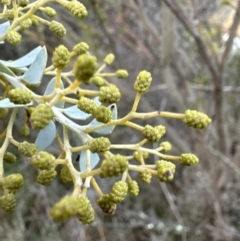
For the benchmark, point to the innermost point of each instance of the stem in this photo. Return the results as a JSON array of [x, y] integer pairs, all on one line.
[[96, 187], [136, 102], [91, 173], [58, 79], [141, 169]]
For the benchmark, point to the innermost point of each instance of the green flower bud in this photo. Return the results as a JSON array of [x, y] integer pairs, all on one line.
[[23, 3], [20, 96], [9, 157], [45, 177], [108, 60], [65, 174], [8, 202], [27, 149], [25, 130], [87, 105], [61, 57], [145, 177], [25, 24], [85, 67], [41, 116], [35, 21], [118, 192], [77, 9], [188, 159], [109, 94], [9, 14], [81, 48], [106, 204], [143, 82], [98, 81], [165, 170], [166, 146], [137, 155], [50, 12], [43, 160], [115, 165], [85, 213], [196, 119], [3, 113], [133, 188], [100, 144], [57, 28], [13, 37], [65, 208], [12, 182], [153, 134], [6, 2], [102, 114], [122, 74]]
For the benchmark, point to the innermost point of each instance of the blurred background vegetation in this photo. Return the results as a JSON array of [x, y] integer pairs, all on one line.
[[192, 49]]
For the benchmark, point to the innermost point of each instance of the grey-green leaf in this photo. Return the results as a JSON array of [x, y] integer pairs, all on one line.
[[6, 103], [4, 27], [35, 72], [46, 136], [75, 113], [6, 70], [94, 159], [13, 80]]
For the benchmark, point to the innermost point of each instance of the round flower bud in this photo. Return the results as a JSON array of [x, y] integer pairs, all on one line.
[[61, 57], [165, 170], [196, 119], [9, 14], [50, 12], [85, 213], [106, 204], [25, 130], [81, 48], [77, 9], [13, 37], [166, 146], [100, 144], [12, 182], [45, 177], [137, 155], [3, 113], [8, 202], [57, 28], [20, 96], [188, 159], [6, 2], [27, 149], [87, 105], [109, 59], [27, 23], [115, 165], [23, 3], [122, 74], [133, 188], [145, 177], [65, 174], [143, 82], [43, 160], [41, 116], [118, 192], [85, 67], [98, 81], [65, 208], [109, 94], [153, 134], [9, 157], [102, 114]]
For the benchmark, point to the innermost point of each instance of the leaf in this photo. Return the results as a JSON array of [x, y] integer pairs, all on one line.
[[24, 61], [106, 130], [6, 70], [50, 89], [46, 136], [13, 80], [6, 103], [35, 72], [94, 159], [75, 113], [4, 27]]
